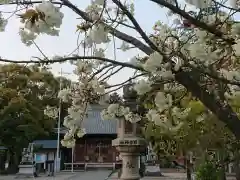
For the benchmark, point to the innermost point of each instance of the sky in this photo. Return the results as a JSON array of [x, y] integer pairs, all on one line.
[[11, 47]]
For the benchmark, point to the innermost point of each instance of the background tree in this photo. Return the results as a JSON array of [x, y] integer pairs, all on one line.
[[25, 92], [200, 135], [203, 62]]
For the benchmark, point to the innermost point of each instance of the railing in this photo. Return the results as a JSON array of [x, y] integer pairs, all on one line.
[[84, 166], [75, 166]]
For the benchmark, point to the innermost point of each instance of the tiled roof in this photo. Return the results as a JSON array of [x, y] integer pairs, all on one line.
[[95, 125], [46, 144], [2, 148]]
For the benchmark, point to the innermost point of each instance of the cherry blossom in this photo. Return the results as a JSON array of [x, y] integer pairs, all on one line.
[[197, 50]]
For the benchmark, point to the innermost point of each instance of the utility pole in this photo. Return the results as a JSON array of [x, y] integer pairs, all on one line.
[[72, 158], [57, 166]]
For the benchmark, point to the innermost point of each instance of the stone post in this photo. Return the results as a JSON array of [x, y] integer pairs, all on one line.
[[129, 144]]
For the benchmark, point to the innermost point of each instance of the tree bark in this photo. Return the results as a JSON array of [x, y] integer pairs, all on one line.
[[13, 162], [222, 174], [223, 111], [237, 173], [189, 169], [237, 169], [2, 161]]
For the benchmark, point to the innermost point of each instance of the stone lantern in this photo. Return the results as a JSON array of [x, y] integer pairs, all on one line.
[[129, 143]]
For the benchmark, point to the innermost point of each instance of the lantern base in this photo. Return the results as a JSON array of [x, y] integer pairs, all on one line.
[[130, 149]]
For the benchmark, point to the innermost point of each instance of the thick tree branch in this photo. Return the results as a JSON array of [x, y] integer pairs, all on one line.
[[17, 2], [223, 111], [74, 58], [194, 21], [113, 31], [136, 25]]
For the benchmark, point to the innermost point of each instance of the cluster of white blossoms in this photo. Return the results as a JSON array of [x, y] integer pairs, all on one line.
[[142, 87], [154, 116], [163, 105], [98, 34], [178, 49], [45, 18], [201, 49], [3, 23], [158, 67], [51, 112], [209, 3], [117, 111], [80, 94]]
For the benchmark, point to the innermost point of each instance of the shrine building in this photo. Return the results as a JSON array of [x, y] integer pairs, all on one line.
[[95, 148]]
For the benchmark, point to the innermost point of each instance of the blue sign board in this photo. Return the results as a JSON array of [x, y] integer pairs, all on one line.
[[40, 158]]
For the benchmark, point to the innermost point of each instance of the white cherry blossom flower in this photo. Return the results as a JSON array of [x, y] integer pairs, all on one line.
[[51, 112], [27, 37], [99, 2], [154, 62], [125, 46], [81, 132], [142, 87], [99, 52], [3, 23], [176, 21], [53, 16], [133, 118], [99, 34], [163, 101], [200, 3], [64, 94]]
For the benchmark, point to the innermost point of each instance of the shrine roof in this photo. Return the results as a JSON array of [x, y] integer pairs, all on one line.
[[46, 144], [94, 124]]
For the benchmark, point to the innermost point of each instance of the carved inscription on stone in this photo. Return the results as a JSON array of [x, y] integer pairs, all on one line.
[[129, 165], [128, 142]]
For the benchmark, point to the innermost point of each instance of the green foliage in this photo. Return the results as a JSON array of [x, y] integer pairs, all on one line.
[[207, 171], [200, 129], [25, 91]]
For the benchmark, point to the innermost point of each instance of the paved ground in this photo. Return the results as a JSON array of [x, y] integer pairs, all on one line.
[[89, 175], [97, 175], [59, 176]]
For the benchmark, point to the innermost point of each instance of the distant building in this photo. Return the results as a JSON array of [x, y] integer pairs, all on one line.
[[96, 146]]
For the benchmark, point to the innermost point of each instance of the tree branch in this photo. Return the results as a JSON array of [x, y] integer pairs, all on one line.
[[74, 58], [113, 31], [194, 21], [136, 25], [222, 110]]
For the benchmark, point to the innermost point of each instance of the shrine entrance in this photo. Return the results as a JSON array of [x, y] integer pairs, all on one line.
[[95, 150], [101, 152]]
